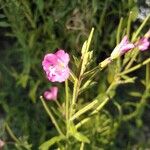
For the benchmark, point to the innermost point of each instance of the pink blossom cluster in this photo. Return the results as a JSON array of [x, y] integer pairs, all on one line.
[[125, 45], [56, 65], [57, 70]]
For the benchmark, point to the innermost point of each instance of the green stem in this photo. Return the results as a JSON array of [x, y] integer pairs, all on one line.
[[84, 109], [75, 91], [139, 109], [129, 25], [51, 116], [82, 146], [119, 31], [132, 60], [77, 82], [135, 67], [11, 133], [92, 113], [74, 97], [67, 106], [82, 122], [147, 75], [92, 71], [140, 28], [73, 76], [118, 40], [101, 20], [58, 104], [100, 106]]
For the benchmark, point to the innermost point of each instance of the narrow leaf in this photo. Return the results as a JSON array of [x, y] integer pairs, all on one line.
[[46, 145], [4, 24], [82, 138]]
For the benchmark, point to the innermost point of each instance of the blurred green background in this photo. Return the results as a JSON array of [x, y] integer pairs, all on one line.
[[31, 28]]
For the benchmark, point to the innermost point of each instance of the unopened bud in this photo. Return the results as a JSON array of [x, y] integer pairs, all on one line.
[[123, 47], [143, 44], [104, 63]]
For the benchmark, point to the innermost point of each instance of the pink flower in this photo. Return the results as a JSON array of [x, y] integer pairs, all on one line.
[[51, 94], [143, 44], [2, 143], [123, 47], [56, 66]]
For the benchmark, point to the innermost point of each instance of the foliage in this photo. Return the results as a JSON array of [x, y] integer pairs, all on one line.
[[32, 28]]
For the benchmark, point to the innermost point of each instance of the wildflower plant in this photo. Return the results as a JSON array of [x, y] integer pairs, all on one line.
[[91, 103], [75, 114]]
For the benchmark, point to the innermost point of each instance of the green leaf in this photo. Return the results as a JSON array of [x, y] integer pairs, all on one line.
[[23, 80], [40, 4], [76, 61], [46, 145], [85, 109], [135, 12], [82, 138], [88, 84], [86, 45], [72, 129], [135, 35], [32, 93], [4, 24], [83, 50], [135, 94]]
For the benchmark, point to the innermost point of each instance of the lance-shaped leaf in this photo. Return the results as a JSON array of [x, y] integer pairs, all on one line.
[[46, 145], [88, 84], [77, 135]]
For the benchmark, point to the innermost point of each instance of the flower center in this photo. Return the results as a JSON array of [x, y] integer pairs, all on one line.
[[52, 71], [61, 64]]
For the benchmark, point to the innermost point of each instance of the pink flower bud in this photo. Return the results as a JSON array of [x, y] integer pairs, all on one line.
[[143, 44], [51, 94], [56, 66], [123, 47]]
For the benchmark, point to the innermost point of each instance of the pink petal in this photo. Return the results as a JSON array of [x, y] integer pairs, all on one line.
[[126, 48], [51, 94], [124, 40], [49, 59], [54, 91], [61, 76], [122, 48], [56, 66], [143, 44], [64, 57]]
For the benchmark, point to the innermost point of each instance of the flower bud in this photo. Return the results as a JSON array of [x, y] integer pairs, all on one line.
[[51, 94], [104, 63], [123, 47], [142, 44]]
